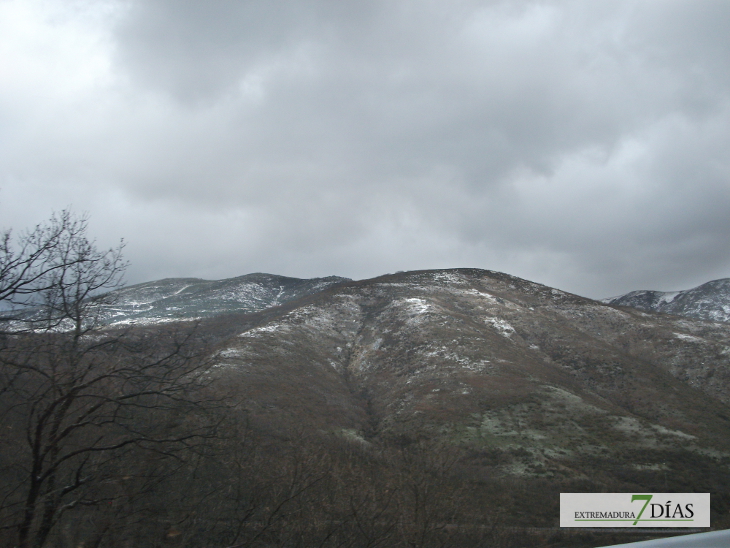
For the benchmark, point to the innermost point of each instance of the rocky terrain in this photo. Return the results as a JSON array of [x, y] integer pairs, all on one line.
[[709, 301]]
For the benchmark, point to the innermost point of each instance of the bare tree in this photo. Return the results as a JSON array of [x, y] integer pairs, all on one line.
[[58, 267], [77, 396]]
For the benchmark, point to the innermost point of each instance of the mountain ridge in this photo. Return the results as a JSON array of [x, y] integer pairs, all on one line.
[[173, 299], [709, 301]]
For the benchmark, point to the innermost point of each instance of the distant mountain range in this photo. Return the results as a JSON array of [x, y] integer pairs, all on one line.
[[174, 299], [709, 301]]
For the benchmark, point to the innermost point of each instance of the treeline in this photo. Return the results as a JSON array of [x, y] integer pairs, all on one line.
[[122, 438], [236, 486]]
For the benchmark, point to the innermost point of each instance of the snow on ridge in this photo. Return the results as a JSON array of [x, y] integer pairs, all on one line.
[[269, 328], [475, 292], [502, 327], [418, 306], [230, 353], [448, 277], [668, 297], [446, 353], [686, 337], [153, 321]]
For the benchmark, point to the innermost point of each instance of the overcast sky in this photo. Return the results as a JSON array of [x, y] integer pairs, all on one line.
[[580, 144]]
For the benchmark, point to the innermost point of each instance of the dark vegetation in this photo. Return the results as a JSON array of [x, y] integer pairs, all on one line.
[[127, 438]]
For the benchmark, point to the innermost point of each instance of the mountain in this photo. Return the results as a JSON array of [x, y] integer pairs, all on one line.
[[174, 299], [709, 301], [427, 408], [533, 381]]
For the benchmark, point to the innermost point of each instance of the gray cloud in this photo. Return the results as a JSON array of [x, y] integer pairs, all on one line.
[[583, 145]]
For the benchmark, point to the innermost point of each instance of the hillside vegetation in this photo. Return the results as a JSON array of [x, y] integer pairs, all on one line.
[[419, 409]]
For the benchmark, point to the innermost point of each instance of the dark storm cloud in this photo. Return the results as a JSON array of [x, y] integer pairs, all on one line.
[[580, 144]]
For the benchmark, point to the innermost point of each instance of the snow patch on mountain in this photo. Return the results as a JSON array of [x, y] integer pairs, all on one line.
[[418, 306], [686, 337], [256, 331], [502, 327]]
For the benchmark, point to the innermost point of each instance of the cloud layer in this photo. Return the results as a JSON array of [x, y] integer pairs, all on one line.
[[578, 144]]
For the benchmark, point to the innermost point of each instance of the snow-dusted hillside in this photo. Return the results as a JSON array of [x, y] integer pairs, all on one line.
[[537, 381], [175, 299], [709, 301], [528, 380]]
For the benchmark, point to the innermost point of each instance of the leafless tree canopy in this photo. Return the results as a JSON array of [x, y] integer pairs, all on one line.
[[57, 267], [77, 398]]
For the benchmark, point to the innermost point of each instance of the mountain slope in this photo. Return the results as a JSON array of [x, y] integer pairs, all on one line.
[[537, 381], [709, 301]]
